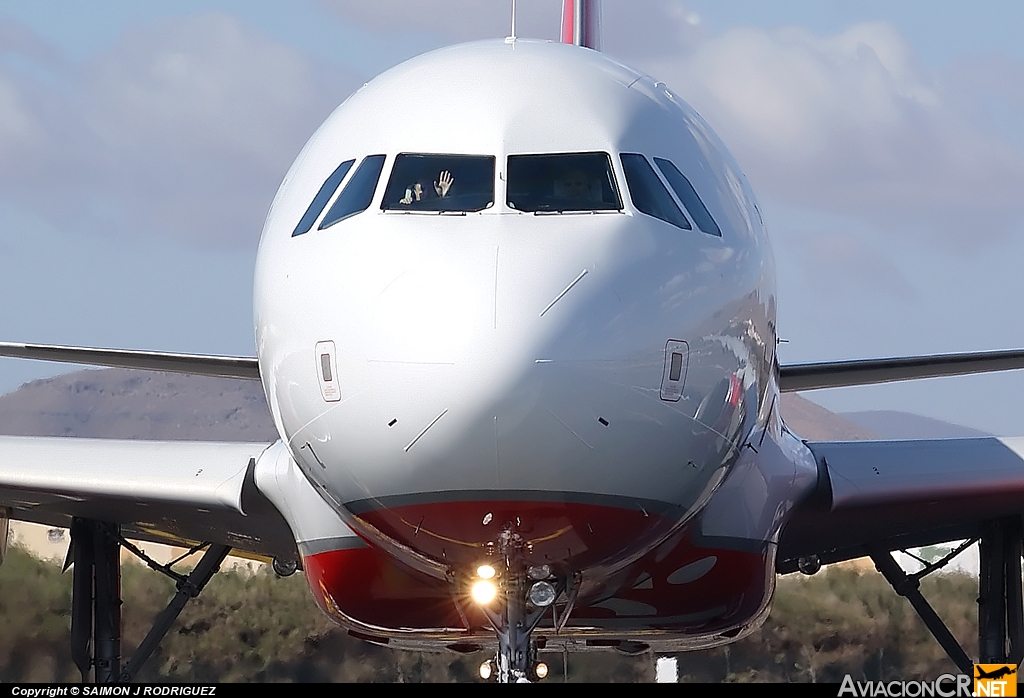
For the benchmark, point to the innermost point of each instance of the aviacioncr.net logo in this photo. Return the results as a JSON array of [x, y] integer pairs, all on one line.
[[946, 686], [995, 679]]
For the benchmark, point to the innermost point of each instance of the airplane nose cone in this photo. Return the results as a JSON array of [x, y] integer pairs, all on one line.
[[435, 314], [458, 351], [504, 389]]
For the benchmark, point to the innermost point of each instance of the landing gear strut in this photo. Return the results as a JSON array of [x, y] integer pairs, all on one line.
[[96, 599], [1000, 603], [514, 624], [1000, 612], [526, 594], [96, 590]]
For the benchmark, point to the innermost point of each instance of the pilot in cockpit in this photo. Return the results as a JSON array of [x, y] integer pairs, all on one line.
[[417, 192], [576, 189]]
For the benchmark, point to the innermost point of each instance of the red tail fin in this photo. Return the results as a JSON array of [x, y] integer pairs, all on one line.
[[581, 23]]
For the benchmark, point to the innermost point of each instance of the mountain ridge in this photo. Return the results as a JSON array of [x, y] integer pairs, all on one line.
[[133, 404]]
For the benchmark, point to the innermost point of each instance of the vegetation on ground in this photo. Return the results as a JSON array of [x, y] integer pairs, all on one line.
[[257, 627]]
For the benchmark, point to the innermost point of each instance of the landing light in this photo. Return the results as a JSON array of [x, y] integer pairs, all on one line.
[[542, 594], [486, 669], [541, 670], [538, 572], [485, 572], [484, 591]]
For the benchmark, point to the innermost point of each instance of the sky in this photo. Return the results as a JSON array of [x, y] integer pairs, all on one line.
[[141, 145]]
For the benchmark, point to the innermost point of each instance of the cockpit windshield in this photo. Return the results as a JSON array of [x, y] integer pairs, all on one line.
[[562, 182], [459, 183]]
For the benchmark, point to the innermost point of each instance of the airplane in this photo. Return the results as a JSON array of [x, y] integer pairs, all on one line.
[[994, 674], [521, 356]]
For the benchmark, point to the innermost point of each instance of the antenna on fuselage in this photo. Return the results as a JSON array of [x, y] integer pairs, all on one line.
[[512, 37]]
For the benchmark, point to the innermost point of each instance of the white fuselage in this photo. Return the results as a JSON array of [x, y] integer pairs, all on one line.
[[502, 356]]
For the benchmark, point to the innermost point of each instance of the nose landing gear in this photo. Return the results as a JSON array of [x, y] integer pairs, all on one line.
[[514, 595]]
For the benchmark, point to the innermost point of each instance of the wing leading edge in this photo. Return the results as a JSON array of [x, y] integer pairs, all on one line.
[[175, 492], [793, 377], [838, 374], [898, 494], [241, 367]]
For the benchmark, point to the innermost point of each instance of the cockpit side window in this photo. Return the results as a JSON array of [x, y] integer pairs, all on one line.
[[327, 190], [562, 182], [456, 183], [648, 194], [357, 194], [688, 195]]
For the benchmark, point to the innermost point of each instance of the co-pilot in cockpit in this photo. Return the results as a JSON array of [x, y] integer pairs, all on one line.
[[562, 182]]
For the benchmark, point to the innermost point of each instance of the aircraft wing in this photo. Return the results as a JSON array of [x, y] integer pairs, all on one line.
[[899, 494], [243, 367], [837, 374], [176, 492]]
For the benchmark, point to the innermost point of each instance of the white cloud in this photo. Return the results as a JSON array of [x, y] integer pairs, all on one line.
[[839, 263], [655, 27], [183, 128], [18, 39], [188, 125], [18, 128], [851, 123]]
